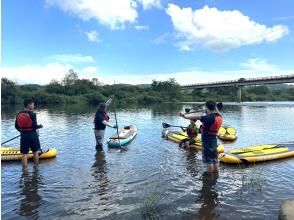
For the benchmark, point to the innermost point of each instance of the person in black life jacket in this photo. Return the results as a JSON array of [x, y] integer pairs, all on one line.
[[211, 122], [101, 121], [26, 124], [192, 132]]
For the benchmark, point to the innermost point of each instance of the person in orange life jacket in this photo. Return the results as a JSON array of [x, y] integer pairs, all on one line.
[[101, 121], [211, 122], [26, 124], [192, 131]]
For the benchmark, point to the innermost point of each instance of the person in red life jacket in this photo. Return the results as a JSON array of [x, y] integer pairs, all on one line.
[[211, 122], [26, 124], [101, 121], [192, 132]]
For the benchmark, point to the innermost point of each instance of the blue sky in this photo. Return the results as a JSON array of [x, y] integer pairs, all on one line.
[[135, 41]]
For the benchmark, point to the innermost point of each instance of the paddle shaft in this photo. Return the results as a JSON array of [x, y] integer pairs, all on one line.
[[116, 123], [10, 139]]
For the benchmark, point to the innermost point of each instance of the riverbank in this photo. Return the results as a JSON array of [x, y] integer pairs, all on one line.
[[72, 90]]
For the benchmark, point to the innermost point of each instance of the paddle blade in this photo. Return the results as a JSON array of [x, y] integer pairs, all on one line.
[[165, 125], [219, 106], [187, 110]]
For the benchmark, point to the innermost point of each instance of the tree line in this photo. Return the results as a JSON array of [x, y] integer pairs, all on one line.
[[73, 90]]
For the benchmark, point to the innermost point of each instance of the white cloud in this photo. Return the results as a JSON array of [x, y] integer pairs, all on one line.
[[190, 77], [35, 73], [161, 39], [141, 27], [71, 58], [89, 70], [44, 74], [147, 4], [259, 64], [93, 36], [112, 13], [219, 30]]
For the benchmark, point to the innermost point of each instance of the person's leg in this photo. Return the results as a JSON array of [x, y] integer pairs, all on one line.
[[215, 167], [24, 161], [181, 144], [99, 135], [35, 147], [24, 150], [209, 168], [36, 157]]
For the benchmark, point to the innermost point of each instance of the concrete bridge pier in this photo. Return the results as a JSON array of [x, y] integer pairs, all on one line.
[[239, 93]]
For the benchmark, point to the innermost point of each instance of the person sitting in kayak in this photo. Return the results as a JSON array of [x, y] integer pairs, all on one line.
[[211, 123], [26, 124], [192, 132], [101, 121]]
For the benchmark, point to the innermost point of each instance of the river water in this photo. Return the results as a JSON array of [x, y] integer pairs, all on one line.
[[152, 178]]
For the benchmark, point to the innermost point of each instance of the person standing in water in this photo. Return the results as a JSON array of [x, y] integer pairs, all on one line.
[[211, 122], [26, 124], [101, 121]]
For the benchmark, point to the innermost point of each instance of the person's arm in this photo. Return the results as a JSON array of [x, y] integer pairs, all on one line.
[[190, 116], [16, 125], [34, 120], [108, 124]]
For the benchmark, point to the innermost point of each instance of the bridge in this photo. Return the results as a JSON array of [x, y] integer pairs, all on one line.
[[239, 83]]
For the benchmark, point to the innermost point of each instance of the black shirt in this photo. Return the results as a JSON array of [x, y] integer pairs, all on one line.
[[99, 118]]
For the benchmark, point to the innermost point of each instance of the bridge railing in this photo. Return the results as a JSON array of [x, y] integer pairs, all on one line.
[[242, 80]]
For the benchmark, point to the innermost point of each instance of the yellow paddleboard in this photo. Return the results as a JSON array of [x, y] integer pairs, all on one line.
[[8, 153], [258, 153], [180, 136], [227, 134]]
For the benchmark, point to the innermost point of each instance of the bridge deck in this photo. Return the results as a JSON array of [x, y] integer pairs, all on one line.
[[243, 82]]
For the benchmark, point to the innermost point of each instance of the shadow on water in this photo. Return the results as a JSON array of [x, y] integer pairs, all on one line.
[[31, 201]]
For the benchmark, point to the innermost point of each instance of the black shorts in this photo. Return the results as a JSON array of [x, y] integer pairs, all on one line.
[[190, 140], [29, 140], [209, 151]]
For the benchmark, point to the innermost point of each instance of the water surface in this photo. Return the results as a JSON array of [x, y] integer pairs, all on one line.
[[81, 184]]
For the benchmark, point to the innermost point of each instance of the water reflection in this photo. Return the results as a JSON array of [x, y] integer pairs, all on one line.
[[29, 185], [192, 164], [208, 196], [99, 172]]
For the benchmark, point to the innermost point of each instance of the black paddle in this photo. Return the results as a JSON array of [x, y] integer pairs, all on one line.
[[165, 125], [197, 110], [10, 140]]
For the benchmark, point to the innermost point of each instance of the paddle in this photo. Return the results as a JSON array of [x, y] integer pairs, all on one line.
[[116, 124], [165, 125], [188, 110], [10, 140], [108, 102]]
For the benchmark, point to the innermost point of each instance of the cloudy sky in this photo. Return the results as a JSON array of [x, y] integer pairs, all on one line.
[[135, 41]]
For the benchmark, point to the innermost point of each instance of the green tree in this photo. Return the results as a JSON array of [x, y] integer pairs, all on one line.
[[8, 91], [55, 87]]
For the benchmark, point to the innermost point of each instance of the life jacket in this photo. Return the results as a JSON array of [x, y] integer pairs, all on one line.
[[24, 121], [213, 129], [106, 117], [192, 130]]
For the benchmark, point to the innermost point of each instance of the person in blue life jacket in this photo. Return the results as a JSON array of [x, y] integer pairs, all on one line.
[[26, 124], [211, 122], [192, 132], [101, 121]]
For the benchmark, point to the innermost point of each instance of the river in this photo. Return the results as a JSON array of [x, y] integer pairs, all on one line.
[[152, 178]]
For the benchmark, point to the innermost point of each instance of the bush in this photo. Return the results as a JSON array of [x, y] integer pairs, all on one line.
[[95, 98]]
